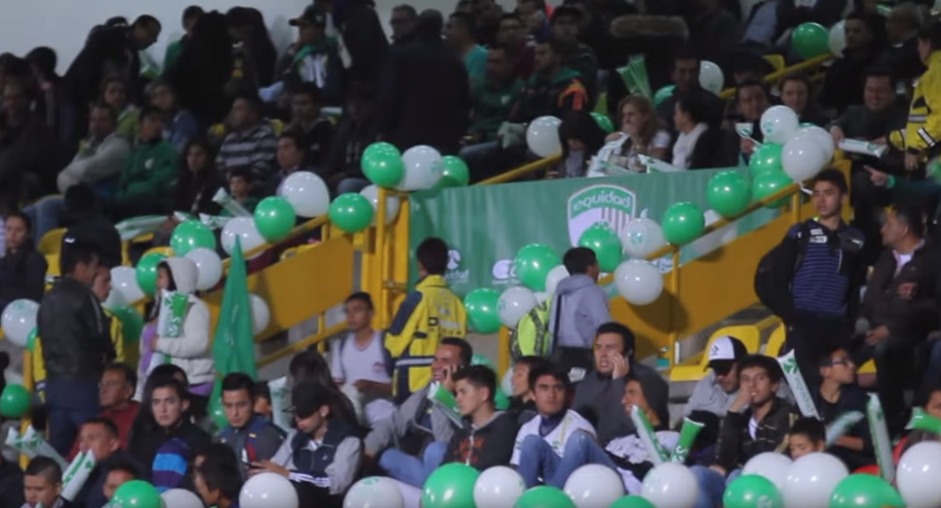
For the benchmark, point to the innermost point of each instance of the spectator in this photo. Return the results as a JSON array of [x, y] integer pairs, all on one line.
[[553, 89], [751, 101], [182, 125], [425, 318], [713, 31], [314, 57], [22, 269], [11, 484], [421, 429], [317, 130], [251, 142], [797, 94], [640, 134], [118, 386], [522, 405], [217, 479], [922, 130], [900, 306], [579, 57], [460, 35], [198, 181], [932, 408], [203, 69], [487, 14], [594, 28], [251, 437], [118, 475], [542, 441], [486, 439], [363, 38], [53, 105], [42, 484], [190, 16], [240, 189], [807, 435], [146, 183], [579, 307], [321, 478], [254, 55], [101, 156], [740, 439], [843, 85], [114, 92], [699, 144], [512, 36], [76, 339], [762, 23], [403, 20], [685, 76], [360, 361], [99, 436], [902, 27], [262, 396], [310, 365], [837, 395], [791, 13], [356, 131], [290, 159], [533, 13], [598, 396], [581, 138], [417, 110]]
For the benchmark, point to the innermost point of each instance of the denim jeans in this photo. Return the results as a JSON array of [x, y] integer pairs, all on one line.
[[580, 449], [412, 470], [711, 486], [46, 215], [69, 404]]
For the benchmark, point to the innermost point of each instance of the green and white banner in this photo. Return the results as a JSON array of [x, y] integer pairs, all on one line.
[[485, 226]]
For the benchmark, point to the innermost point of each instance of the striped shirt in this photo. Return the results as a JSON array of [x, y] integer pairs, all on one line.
[[819, 285], [254, 148]]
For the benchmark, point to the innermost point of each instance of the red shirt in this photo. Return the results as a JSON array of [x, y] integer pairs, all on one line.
[[122, 417]]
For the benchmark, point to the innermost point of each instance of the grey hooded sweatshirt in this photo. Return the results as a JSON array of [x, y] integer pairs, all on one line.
[[584, 307]]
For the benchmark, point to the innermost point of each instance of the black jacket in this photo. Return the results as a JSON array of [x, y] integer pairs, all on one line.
[[852, 398], [108, 50], [846, 79], [22, 275], [144, 448], [736, 446], [363, 38], [825, 12], [75, 333], [714, 149], [92, 493], [11, 485], [910, 318], [488, 446], [598, 399], [714, 34]]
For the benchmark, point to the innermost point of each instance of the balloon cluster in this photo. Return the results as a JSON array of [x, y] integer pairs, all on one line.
[[791, 151]]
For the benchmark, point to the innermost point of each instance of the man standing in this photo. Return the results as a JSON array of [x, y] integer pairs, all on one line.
[[579, 57], [460, 32]]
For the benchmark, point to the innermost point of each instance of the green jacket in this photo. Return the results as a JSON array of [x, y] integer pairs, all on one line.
[[151, 172], [492, 106]]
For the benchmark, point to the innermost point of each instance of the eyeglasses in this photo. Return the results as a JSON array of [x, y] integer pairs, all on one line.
[[846, 362]]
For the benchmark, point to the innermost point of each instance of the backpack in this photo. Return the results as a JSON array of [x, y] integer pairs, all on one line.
[[775, 270], [532, 336]]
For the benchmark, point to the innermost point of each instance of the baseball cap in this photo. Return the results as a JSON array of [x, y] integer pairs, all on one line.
[[311, 16], [306, 398], [724, 352]]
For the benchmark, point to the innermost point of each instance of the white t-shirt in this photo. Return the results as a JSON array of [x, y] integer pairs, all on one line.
[[570, 423], [352, 363]]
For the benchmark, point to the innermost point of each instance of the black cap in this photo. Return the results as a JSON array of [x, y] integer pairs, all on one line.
[[566, 10], [96, 234], [311, 16], [306, 398]]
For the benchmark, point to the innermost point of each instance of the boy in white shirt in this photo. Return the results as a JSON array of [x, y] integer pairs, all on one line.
[[540, 443], [361, 364]]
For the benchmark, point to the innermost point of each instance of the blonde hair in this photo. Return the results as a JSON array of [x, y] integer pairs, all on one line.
[[644, 107]]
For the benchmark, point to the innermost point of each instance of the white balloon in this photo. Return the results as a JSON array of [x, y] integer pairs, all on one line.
[[373, 492], [919, 475], [208, 267], [506, 384], [268, 490], [638, 281], [307, 193], [671, 485], [542, 296], [181, 498], [811, 480], [554, 277], [820, 136], [593, 485], [711, 77], [261, 314], [642, 237], [18, 320], [124, 281], [392, 203], [498, 487], [423, 168], [514, 303], [542, 136], [778, 124], [771, 465], [803, 158], [837, 40], [244, 228]]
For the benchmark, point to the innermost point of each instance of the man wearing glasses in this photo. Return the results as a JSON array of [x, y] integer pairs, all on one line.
[[837, 395]]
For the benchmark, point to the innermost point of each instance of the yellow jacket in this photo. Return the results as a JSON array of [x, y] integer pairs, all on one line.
[[428, 314], [923, 130]]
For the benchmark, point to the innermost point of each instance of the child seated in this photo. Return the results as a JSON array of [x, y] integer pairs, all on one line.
[[807, 435]]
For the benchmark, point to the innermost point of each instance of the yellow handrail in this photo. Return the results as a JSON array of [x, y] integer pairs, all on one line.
[[524, 170], [774, 77]]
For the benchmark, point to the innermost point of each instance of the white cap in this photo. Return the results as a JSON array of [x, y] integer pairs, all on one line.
[[726, 348]]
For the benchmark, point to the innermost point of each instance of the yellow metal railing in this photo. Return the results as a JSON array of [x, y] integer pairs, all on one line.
[[774, 77]]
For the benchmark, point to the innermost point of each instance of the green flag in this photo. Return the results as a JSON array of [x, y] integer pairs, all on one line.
[[233, 349]]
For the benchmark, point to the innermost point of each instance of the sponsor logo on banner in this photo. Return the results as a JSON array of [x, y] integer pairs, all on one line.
[[454, 274], [503, 272], [600, 203]]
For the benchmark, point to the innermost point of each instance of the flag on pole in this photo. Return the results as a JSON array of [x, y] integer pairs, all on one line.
[[233, 348]]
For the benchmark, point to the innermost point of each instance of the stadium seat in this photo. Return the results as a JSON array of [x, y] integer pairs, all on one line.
[[750, 335], [51, 242], [776, 344]]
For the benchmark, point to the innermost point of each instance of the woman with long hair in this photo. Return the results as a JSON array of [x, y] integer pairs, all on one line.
[[699, 145], [640, 134], [798, 94], [198, 180]]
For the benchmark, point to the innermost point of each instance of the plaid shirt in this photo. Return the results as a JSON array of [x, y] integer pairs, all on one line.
[[736, 444]]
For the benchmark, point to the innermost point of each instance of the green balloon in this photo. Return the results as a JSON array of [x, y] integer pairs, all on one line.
[[604, 241], [544, 497], [768, 183], [274, 218], [351, 212], [450, 486], [810, 40], [31, 339], [682, 223], [136, 494], [767, 157], [865, 491], [663, 94], [14, 401], [752, 491], [632, 502], [533, 263], [728, 193], [146, 272], [479, 359], [131, 323], [481, 307], [382, 164], [454, 172], [500, 400], [603, 121], [189, 235]]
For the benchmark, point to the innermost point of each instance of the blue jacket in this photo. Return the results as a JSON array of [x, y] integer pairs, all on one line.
[[257, 441]]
